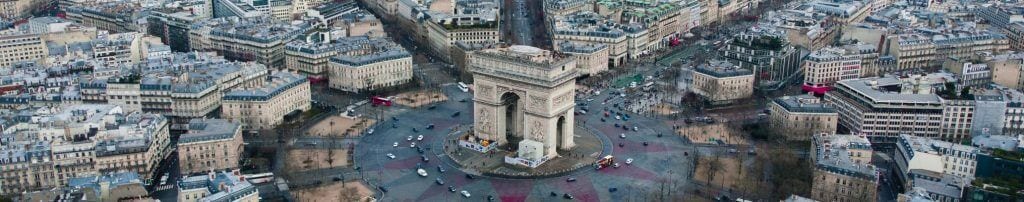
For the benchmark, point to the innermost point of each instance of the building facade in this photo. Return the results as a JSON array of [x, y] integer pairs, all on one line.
[[210, 144], [801, 117], [265, 104]]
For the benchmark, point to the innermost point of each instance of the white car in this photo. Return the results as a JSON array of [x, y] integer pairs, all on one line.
[[395, 145], [413, 144], [409, 138], [465, 193], [419, 138], [618, 117], [623, 135], [390, 155], [369, 132], [421, 172], [629, 161]]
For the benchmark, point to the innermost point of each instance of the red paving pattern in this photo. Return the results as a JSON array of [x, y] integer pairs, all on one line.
[[631, 172], [512, 190], [582, 189]]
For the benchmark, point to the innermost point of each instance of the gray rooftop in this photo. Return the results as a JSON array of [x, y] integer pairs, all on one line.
[[209, 130], [803, 104], [833, 155]]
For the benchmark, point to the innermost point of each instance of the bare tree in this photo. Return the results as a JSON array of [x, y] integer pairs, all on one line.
[[348, 194]]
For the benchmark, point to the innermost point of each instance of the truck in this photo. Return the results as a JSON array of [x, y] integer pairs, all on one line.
[[604, 162]]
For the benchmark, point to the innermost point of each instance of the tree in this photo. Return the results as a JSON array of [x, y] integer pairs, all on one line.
[[348, 194], [966, 93], [714, 164]]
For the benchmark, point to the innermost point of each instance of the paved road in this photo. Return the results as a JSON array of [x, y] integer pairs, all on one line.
[[661, 159]]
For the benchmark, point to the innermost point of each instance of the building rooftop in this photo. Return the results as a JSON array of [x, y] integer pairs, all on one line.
[[209, 130], [586, 48], [1004, 142], [803, 104], [833, 155], [722, 69], [223, 186], [261, 30], [889, 90], [932, 146], [275, 84]]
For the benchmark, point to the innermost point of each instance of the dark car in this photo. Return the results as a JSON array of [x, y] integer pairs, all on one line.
[[425, 159], [382, 189], [337, 179], [415, 130], [567, 196], [470, 176], [440, 169], [430, 127], [490, 198], [554, 194], [456, 114], [451, 188], [439, 181], [394, 118], [431, 107], [419, 149]]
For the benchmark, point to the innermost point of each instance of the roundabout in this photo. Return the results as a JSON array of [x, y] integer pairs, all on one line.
[[663, 159]]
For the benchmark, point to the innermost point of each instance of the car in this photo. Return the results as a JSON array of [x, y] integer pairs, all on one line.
[[439, 181], [732, 150], [451, 188], [394, 118], [425, 159], [382, 189], [391, 156], [465, 193], [554, 194], [336, 179], [430, 127], [490, 198], [470, 176], [431, 107], [394, 126], [617, 117], [409, 138], [617, 125], [613, 189], [440, 169], [419, 138], [415, 130], [616, 165], [421, 172], [463, 100], [571, 179], [567, 196], [369, 132], [413, 144], [629, 161], [636, 128], [622, 136], [645, 142], [456, 114], [419, 150], [395, 145]]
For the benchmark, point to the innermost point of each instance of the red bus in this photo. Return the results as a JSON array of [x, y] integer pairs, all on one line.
[[377, 101], [605, 162]]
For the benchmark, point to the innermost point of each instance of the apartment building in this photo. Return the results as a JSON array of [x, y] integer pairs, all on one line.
[[847, 12], [265, 104], [971, 71], [210, 144], [588, 27], [1015, 34], [921, 153], [808, 29], [921, 51], [1007, 70], [112, 16], [565, 7], [445, 31], [181, 86], [1000, 15], [823, 67], [68, 143], [767, 53], [247, 39], [107, 187], [721, 82], [801, 117], [842, 168], [884, 108], [21, 46], [591, 58], [217, 186], [15, 9], [369, 64]]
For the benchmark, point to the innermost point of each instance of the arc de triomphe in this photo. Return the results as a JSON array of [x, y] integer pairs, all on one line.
[[524, 98]]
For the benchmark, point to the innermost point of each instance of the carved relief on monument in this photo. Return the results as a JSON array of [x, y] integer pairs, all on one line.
[[486, 91], [485, 122], [536, 103], [562, 99], [537, 131]]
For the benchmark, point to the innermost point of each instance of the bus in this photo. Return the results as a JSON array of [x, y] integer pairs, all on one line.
[[606, 161], [463, 87], [378, 100], [260, 178]]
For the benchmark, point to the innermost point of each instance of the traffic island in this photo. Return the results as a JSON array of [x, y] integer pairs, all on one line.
[[482, 157]]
